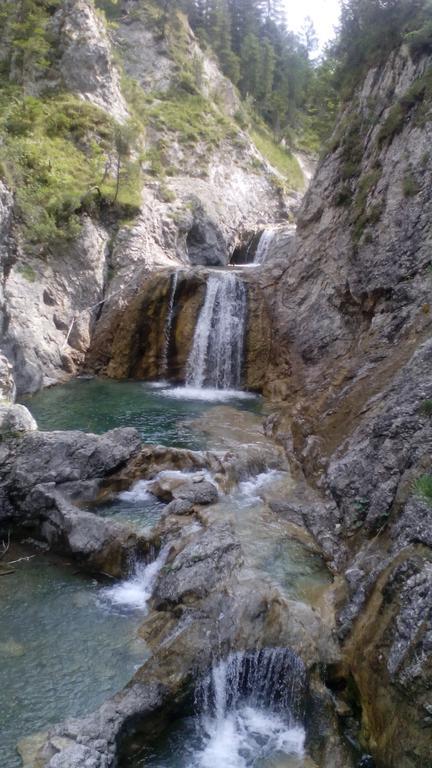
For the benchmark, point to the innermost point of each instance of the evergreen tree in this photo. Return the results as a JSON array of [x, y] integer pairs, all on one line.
[[251, 65]]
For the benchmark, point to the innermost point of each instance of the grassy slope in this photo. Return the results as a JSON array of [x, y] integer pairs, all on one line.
[[60, 154]]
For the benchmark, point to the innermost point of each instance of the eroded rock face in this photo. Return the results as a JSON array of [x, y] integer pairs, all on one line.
[[85, 61], [356, 286], [7, 383], [50, 306], [351, 358]]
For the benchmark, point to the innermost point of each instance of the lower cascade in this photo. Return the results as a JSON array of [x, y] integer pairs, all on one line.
[[216, 356], [248, 712], [136, 590]]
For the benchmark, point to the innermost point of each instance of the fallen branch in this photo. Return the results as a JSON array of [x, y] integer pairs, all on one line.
[[20, 559]]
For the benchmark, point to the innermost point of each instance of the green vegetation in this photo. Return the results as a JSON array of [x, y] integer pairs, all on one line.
[[426, 408], [273, 68], [423, 488], [27, 272], [279, 158], [362, 214], [23, 25], [420, 40], [410, 186], [54, 153], [371, 29], [415, 103], [189, 116]]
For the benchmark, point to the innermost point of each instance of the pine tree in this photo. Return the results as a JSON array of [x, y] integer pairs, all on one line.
[[250, 65]]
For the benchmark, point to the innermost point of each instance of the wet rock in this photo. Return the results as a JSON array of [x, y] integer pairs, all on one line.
[[179, 507], [194, 489], [61, 457], [95, 737], [366, 761], [198, 567]]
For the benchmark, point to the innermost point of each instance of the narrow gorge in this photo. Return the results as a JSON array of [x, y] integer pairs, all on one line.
[[215, 387]]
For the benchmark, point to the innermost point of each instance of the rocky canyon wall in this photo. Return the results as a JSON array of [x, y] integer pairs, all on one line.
[[352, 368]]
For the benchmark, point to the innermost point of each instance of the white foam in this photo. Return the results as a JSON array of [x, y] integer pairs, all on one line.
[[156, 384], [249, 489], [207, 393], [136, 591], [138, 492], [244, 737]]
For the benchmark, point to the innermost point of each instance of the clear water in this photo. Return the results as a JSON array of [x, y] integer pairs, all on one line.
[[69, 643], [267, 546], [97, 405], [136, 506], [64, 649]]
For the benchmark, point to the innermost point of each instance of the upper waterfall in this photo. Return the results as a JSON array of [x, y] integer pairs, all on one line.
[[264, 245], [216, 356]]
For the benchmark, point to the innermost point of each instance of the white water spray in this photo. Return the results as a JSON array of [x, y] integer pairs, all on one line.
[[217, 349], [136, 591]]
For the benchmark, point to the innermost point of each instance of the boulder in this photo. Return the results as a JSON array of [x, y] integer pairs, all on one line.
[[15, 420]]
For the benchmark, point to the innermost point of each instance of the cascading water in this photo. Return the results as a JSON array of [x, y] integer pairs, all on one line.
[[217, 349], [248, 712], [263, 246], [168, 324], [136, 590]]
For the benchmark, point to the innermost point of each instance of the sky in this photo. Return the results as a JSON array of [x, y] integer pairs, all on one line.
[[324, 14]]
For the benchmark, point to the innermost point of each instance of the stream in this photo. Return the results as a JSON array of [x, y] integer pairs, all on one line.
[[70, 641], [64, 647]]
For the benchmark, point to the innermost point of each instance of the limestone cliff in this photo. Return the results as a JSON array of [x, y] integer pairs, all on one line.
[[352, 361], [155, 141]]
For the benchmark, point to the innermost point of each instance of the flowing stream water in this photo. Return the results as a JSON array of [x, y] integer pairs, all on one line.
[[248, 710]]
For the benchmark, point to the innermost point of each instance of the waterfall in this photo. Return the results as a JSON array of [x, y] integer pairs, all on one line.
[[136, 590], [168, 324], [263, 246], [215, 359], [249, 709], [273, 678]]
